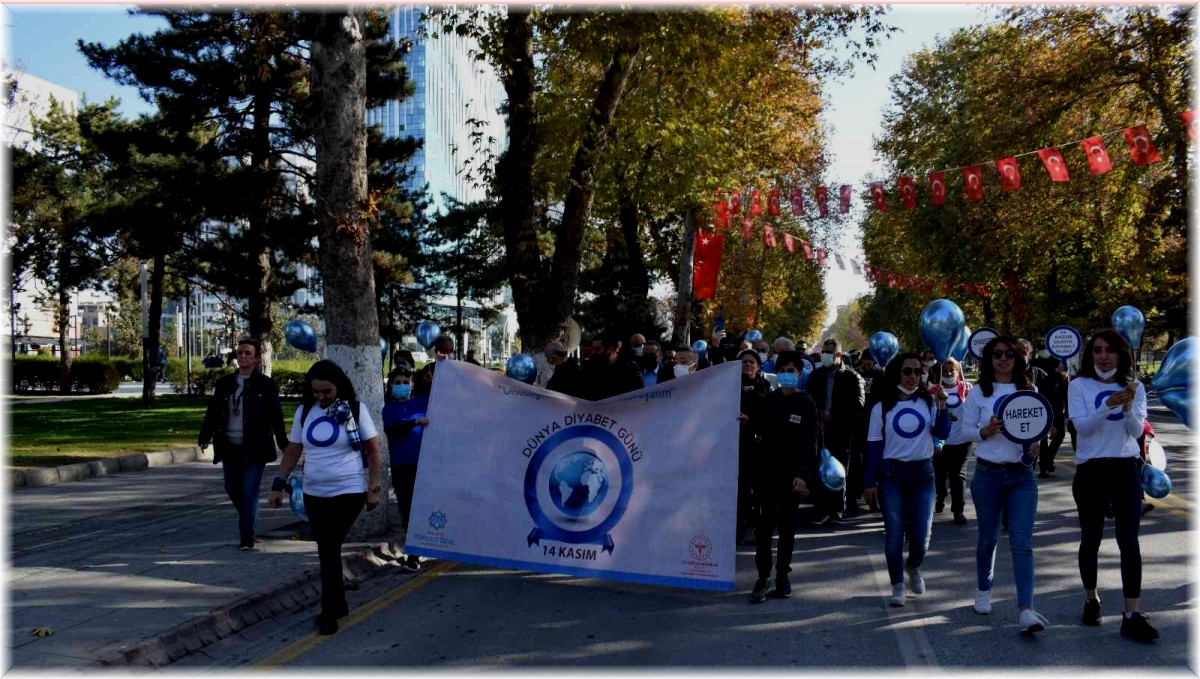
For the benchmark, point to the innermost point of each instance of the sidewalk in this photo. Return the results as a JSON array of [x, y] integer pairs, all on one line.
[[140, 568]]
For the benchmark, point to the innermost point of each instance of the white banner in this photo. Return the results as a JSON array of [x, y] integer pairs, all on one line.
[[640, 487]]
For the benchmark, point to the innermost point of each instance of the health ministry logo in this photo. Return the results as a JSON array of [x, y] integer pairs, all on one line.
[[577, 486]]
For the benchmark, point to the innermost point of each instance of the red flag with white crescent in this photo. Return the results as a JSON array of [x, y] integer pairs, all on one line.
[[844, 198], [773, 202], [908, 192], [808, 253], [747, 228], [1097, 155], [768, 236], [878, 197], [973, 182], [721, 212], [823, 201], [789, 243], [1141, 146], [797, 203], [1010, 174], [735, 201], [1053, 161], [755, 204], [706, 264], [1189, 119], [937, 187]]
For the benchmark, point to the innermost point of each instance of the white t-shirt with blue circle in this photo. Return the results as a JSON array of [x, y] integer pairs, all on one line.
[[331, 466], [909, 434]]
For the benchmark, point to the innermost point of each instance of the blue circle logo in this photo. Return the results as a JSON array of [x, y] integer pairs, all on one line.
[[333, 436], [915, 431], [1102, 397], [578, 484]]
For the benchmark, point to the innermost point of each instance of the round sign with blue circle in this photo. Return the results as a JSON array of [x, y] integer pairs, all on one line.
[[1063, 342], [1025, 417], [978, 340]]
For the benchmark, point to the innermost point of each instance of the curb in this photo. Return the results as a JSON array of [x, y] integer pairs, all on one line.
[[205, 630], [51, 476]]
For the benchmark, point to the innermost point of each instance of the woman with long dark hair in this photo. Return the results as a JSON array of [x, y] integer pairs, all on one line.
[[1107, 405], [900, 438], [1002, 481], [338, 439]]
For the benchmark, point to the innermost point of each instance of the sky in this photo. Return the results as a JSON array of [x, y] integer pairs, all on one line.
[[41, 39]]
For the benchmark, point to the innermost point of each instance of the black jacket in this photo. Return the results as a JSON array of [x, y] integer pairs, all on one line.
[[753, 401], [789, 428], [603, 379], [262, 418], [848, 403], [1051, 384], [568, 379]]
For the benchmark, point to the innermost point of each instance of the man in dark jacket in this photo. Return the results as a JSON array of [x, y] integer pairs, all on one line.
[[568, 376], [871, 373], [785, 468], [1050, 378], [605, 374], [838, 392], [244, 422]]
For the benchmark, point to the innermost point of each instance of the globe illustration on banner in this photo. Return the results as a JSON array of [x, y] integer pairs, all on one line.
[[578, 484]]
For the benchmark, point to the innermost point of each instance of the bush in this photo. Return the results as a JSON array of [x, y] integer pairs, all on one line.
[[35, 373], [203, 379], [290, 382], [94, 375], [129, 368]]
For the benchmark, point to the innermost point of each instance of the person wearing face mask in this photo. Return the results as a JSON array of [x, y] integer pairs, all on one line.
[[899, 468], [647, 364], [1053, 385], [949, 462], [930, 362], [754, 389], [568, 376], [404, 423], [606, 374], [1107, 404], [685, 363], [666, 371], [780, 345], [785, 469], [838, 392], [1002, 481]]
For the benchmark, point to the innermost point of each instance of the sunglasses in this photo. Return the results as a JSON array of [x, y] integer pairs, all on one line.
[[909, 372], [1005, 353]]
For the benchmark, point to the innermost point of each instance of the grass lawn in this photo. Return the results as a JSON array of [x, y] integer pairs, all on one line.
[[66, 432]]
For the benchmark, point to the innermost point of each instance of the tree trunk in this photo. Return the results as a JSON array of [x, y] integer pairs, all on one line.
[[339, 69], [683, 289], [153, 328], [635, 281], [258, 302], [64, 329]]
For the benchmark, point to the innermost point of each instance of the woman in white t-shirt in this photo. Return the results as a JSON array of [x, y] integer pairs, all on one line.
[[338, 439], [1107, 405], [900, 438], [948, 465], [1002, 481]]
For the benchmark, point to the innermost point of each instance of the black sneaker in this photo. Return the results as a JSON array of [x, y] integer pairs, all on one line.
[[783, 589], [246, 545], [1137, 627], [759, 594], [326, 625], [1147, 508], [959, 519], [821, 520], [411, 563], [1092, 611], [1043, 474], [939, 507]]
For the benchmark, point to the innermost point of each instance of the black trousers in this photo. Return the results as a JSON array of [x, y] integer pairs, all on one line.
[[854, 476], [1050, 445], [948, 471], [331, 519], [404, 479], [776, 508], [1098, 482]]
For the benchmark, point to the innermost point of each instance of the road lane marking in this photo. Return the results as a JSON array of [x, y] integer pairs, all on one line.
[[910, 632], [311, 640]]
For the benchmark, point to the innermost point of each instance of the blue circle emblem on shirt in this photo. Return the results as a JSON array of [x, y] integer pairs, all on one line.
[[1102, 397], [904, 414], [310, 435], [953, 400]]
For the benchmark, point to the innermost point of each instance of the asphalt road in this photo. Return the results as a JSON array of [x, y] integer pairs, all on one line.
[[464, 616]]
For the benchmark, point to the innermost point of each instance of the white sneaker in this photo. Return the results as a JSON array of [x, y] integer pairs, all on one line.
[[915, 582], [1031, 621], [983, 602], [897, 599]]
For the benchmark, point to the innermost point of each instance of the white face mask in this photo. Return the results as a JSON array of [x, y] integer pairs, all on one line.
[[924, 378], [950, 380], [638, 351], [1106, 374], [826, 360], [906, 392], [1044, 353], [762, 356], [930, 364], [681, 370]]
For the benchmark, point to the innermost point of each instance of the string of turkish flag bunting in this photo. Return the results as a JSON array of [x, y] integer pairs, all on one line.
[[707, 259]]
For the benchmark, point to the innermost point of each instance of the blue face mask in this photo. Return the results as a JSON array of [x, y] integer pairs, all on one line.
[[401, 391], [788, 380]]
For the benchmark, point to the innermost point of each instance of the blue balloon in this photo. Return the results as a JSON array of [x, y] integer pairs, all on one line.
[[884, 347], [1155, 482], [383, 345], [700, 346], [1180, 403], [942, 327], [296, 497], [1130, 322], [522, 367], [300, 335], [1176, 369], [753, 335], [831, 471], [959, 352], [427, 333]]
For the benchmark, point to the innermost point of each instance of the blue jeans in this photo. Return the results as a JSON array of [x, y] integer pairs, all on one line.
[[242, 482], [993, 490], [906, 495]]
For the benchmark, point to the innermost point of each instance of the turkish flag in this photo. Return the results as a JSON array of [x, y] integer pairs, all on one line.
[[773, 202], [735, 201], [808, 253], [747, 228], [789, 243], [1189, 119], [768, 236], [908, 192], [823, 201], [755, 204], [878, 196], [820, 256], [1097, 156], [1053, 161], [797, 203], [706, 264], [973, 179], [1141, 146], [844, 195], [937, 187], [1010, 174]]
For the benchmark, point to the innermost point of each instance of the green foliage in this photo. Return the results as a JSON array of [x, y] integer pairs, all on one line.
[[95, 375], [131, 368], [90, 374]]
